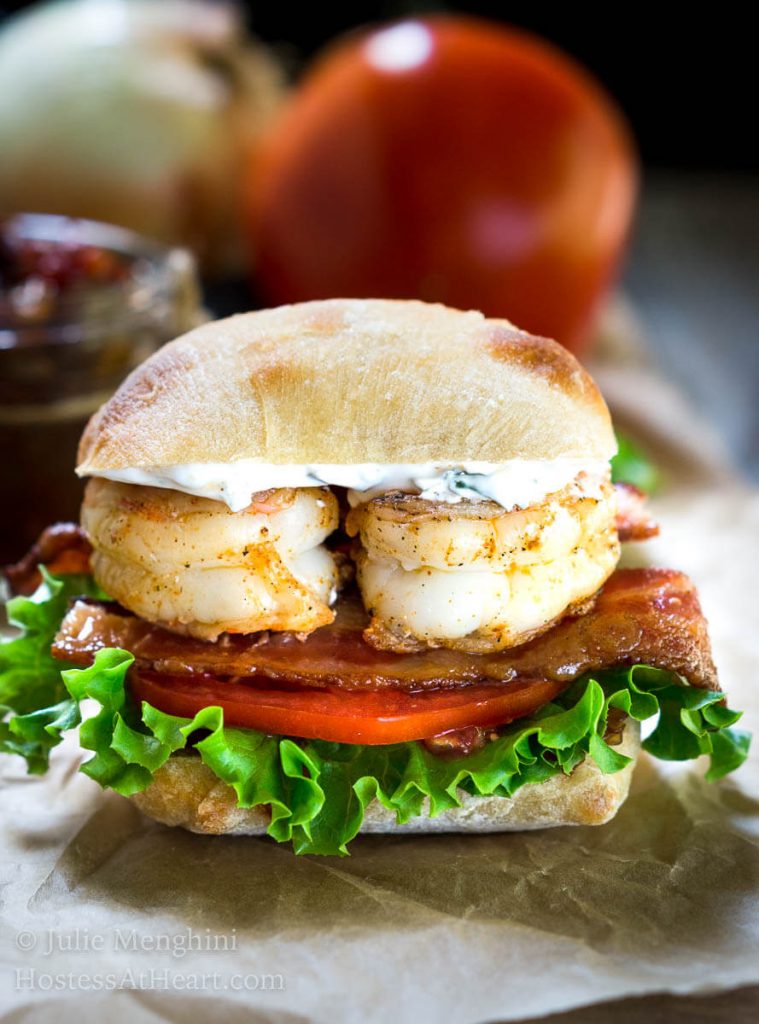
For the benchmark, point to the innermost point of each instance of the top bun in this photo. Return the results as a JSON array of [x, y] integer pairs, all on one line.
[[351, 381]]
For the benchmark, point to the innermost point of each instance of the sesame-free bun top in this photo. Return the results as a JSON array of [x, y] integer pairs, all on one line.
[[351, 381]]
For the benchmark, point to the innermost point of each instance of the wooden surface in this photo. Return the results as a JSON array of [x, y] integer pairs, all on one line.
[[738, 1007], [692, 277]]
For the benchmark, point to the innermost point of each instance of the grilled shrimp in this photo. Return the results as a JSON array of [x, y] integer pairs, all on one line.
[[475, 576], [192, 566]]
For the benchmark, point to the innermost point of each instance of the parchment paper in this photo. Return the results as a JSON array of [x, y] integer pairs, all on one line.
[[459, 929]]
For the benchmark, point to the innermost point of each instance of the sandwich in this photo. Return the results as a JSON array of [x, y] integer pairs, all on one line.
[[352, 566]]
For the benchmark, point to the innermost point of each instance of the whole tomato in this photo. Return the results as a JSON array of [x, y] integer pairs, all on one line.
[[447, 159]]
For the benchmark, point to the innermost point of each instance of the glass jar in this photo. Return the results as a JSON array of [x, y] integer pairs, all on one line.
[[81, 304]]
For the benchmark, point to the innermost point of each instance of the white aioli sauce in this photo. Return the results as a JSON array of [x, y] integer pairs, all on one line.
[[517, 483]]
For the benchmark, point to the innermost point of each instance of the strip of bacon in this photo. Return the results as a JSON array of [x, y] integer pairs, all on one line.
[[61, 548], [634, 521], [649, 616]]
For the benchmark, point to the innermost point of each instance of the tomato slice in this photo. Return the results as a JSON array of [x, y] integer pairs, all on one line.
[[345, 716]]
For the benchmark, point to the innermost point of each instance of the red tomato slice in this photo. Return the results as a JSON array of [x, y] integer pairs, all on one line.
[[345, 716]]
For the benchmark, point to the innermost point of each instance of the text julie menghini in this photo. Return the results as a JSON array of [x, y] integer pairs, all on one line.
[[129, 940]]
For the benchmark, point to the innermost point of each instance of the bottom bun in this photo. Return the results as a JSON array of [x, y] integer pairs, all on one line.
[[185, 792]]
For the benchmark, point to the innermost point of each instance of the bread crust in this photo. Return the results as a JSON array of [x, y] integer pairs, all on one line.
[[351, 381], [185, 792]]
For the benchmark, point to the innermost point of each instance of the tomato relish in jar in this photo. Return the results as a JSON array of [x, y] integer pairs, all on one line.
[[81, 304]]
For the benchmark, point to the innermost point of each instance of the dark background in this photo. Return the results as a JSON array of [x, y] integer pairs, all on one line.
[[686, 80]]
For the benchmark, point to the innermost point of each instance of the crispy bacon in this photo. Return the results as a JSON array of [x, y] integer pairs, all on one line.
[[634, 521], [61, 548], [460, 742], [649, 616]]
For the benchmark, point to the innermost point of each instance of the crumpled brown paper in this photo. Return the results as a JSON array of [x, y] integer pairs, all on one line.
[[108, 916]]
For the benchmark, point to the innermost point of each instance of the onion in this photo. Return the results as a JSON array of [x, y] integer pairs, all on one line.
[[138, 113]]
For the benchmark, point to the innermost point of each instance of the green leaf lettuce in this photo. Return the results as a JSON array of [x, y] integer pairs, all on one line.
[[631, 465]]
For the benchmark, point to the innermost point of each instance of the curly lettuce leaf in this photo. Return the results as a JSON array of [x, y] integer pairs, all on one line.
[[318, 792], [35, 706]]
